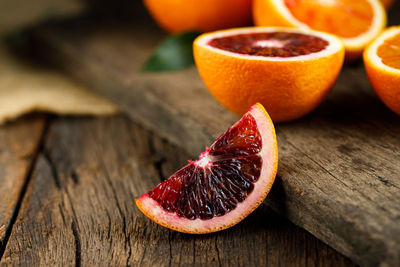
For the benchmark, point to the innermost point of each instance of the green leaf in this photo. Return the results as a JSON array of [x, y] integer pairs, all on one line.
[[174, 53]]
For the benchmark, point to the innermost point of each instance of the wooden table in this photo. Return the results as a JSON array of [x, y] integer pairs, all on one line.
[[69, 183], [338, 174], [67, 198]]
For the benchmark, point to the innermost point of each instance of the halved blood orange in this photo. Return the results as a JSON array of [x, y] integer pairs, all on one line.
[[357, 22], [289, 71], [382, 64], [229, 180]]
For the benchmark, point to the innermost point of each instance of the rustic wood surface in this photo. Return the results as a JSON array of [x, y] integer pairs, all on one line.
[[19, 142], [339, 166], [79, 208]]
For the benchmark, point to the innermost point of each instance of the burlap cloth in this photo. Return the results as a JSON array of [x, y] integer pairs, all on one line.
[[25, 88]]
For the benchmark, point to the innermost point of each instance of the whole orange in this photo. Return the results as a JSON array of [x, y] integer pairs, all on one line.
[[200, 15]]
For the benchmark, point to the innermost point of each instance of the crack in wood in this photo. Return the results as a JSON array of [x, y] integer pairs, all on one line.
[[157, 159], [217, 250], [143, 255], [75, 177], [28, 177], [386, 182], [124, 227], [109, 224], [170, 248], [62, 215], [158, 166], [128, 241], [70, 203], [53, 169], [78, 248]]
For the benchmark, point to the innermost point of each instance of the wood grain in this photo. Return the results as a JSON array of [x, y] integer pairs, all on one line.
[[19, 142], [338, 173], [79, 209]]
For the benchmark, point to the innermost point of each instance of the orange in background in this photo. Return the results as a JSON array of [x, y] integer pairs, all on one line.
[[200, 15], [357, 22]]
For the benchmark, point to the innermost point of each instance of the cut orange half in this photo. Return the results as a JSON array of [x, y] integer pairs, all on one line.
[[228, 181], [382, 64], [290, 71], [357, 22]]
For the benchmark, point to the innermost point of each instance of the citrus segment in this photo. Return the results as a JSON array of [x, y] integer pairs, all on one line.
[[318, 15], [389, 52], [357, 22], [228, 181], [289, 71], [199, 15], [382, 64]]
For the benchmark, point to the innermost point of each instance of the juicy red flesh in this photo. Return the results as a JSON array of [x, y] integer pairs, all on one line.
[[204, 192], [273, 44]]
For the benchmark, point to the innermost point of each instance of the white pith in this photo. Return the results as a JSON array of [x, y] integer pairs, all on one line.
[[327, 2], [204, 160], [335, 44], [377, 24], [270, 43], [243, 209], [371, 52]]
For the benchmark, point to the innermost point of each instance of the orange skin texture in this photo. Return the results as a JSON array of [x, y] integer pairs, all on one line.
[[386, 86], [287, 90], [385, 83], [200, 15], [265, 14]]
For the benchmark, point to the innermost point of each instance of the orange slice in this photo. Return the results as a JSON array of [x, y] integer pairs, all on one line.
[[290, 71], [228, 181], [382, 64], [357, 22]]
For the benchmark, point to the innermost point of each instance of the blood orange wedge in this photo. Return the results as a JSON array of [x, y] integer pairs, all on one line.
[[382, 64], [229, 180], [357, 22], [289, 71]]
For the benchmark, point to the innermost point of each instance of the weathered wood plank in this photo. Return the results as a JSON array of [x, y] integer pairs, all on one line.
[[19, 141], [79, 209], [338, 175]]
